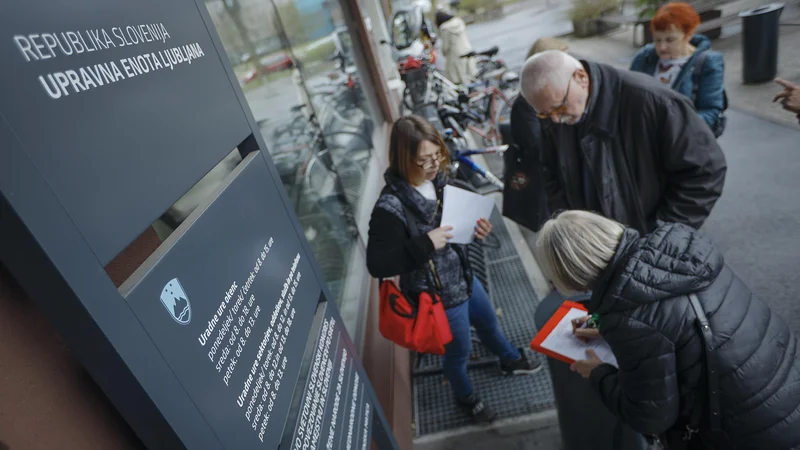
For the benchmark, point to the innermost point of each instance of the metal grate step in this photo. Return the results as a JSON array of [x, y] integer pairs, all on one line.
[[513, 295]]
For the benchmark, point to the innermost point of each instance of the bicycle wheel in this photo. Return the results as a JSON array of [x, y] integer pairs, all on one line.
[[349, 155]]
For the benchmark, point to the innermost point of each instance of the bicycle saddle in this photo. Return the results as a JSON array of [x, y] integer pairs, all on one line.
[[491, 52]]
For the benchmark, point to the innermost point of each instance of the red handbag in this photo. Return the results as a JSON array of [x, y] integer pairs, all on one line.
[[420, 325]]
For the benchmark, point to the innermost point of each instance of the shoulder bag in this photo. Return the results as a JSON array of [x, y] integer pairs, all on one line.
[[689, 438], [416, 324]]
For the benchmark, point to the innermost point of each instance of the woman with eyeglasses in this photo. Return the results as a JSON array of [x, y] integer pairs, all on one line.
[[415, 184], [685, 62]]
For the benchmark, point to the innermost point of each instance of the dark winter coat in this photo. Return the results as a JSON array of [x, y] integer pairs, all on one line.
[[710, 100], [646, 153], [392, 251], [524, 192], [645, 315]]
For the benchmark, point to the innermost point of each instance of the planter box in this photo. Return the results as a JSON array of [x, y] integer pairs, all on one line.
[[591, 27], [584, 28]]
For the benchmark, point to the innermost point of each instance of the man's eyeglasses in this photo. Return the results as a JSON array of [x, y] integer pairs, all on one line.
[[431, 162], [558, 110]]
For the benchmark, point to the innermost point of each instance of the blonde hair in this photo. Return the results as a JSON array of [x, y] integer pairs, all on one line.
[[575, 247], [547, 43]]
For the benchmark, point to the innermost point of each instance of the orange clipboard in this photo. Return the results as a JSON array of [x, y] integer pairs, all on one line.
[[552, 323]]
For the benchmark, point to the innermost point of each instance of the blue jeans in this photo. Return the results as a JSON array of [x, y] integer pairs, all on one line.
[[478, 312]]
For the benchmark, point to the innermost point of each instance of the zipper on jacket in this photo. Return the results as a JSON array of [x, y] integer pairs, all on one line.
[[684, 73], [436, 280]]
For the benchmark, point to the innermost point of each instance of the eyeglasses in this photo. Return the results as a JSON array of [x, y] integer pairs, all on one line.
[[558, 110], [431, 162]]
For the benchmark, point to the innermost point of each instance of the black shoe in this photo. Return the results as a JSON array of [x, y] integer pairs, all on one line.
[[521, 366], [478, 410]]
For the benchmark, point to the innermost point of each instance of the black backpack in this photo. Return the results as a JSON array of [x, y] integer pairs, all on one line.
[[722, 121]]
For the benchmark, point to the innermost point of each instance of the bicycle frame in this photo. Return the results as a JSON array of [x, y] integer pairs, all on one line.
[[491, 112], [462, 157]]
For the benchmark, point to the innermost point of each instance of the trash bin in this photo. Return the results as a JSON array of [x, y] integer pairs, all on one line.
[[584, 420], [760, 42]]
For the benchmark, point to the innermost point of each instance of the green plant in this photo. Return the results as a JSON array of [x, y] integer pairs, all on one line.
[[648, 8], [591, 9]]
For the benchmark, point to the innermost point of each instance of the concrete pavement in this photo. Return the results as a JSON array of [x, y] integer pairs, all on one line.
[[617, 49], [757, 220], [522, 24]]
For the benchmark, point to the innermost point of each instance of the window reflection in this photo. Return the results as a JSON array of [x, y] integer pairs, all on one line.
[[402, 36], [296, 65]]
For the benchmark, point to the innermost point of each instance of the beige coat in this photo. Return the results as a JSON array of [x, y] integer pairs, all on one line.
[[453, 36]]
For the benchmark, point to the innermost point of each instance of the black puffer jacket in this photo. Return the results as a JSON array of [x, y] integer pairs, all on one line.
[[646, 317], [392, 251]]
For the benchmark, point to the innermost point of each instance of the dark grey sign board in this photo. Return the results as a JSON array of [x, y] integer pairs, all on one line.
[[106, 94], [334, 406], [229, 305], [110, 110]]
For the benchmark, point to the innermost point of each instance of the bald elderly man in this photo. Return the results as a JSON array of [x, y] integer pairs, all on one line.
[[621, 144]]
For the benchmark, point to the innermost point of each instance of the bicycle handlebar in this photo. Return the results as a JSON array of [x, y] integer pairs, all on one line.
[[493, 149], [480, 170]]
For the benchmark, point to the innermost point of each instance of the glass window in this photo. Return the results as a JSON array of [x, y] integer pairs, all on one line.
[[402, 35], [296, 64], [375, 19]]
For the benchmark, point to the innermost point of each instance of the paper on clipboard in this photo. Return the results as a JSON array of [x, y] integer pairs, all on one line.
[[461, 210], [556, 340]]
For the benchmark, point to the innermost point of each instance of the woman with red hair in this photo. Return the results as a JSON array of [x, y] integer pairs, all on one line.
[[685, 62]]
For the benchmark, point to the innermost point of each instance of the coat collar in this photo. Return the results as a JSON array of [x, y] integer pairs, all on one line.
[[700, 42], [426, 210], [627, 245], [602, 107]]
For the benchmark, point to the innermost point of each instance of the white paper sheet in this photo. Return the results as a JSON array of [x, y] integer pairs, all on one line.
[[562, 341], [461, 210]]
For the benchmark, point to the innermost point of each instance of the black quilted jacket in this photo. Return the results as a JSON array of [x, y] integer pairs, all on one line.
[[646, 317]]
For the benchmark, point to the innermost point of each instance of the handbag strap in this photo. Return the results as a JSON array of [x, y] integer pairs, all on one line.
[[699, 60], [413, 231], [711, 369]]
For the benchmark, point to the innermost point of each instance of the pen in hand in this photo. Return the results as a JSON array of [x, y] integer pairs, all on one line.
[[584, 328]]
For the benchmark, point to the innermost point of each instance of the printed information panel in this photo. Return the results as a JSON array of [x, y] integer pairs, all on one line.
[[230, 306], [335, 410], [104, 94]]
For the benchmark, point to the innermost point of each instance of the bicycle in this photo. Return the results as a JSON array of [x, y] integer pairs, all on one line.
[[461, 157], [494, 70], [491, 102]]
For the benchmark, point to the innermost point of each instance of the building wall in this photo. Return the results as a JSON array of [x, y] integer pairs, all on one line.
[[47, 399]]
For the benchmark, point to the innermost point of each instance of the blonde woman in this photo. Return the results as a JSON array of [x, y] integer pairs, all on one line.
[[643, 288]]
